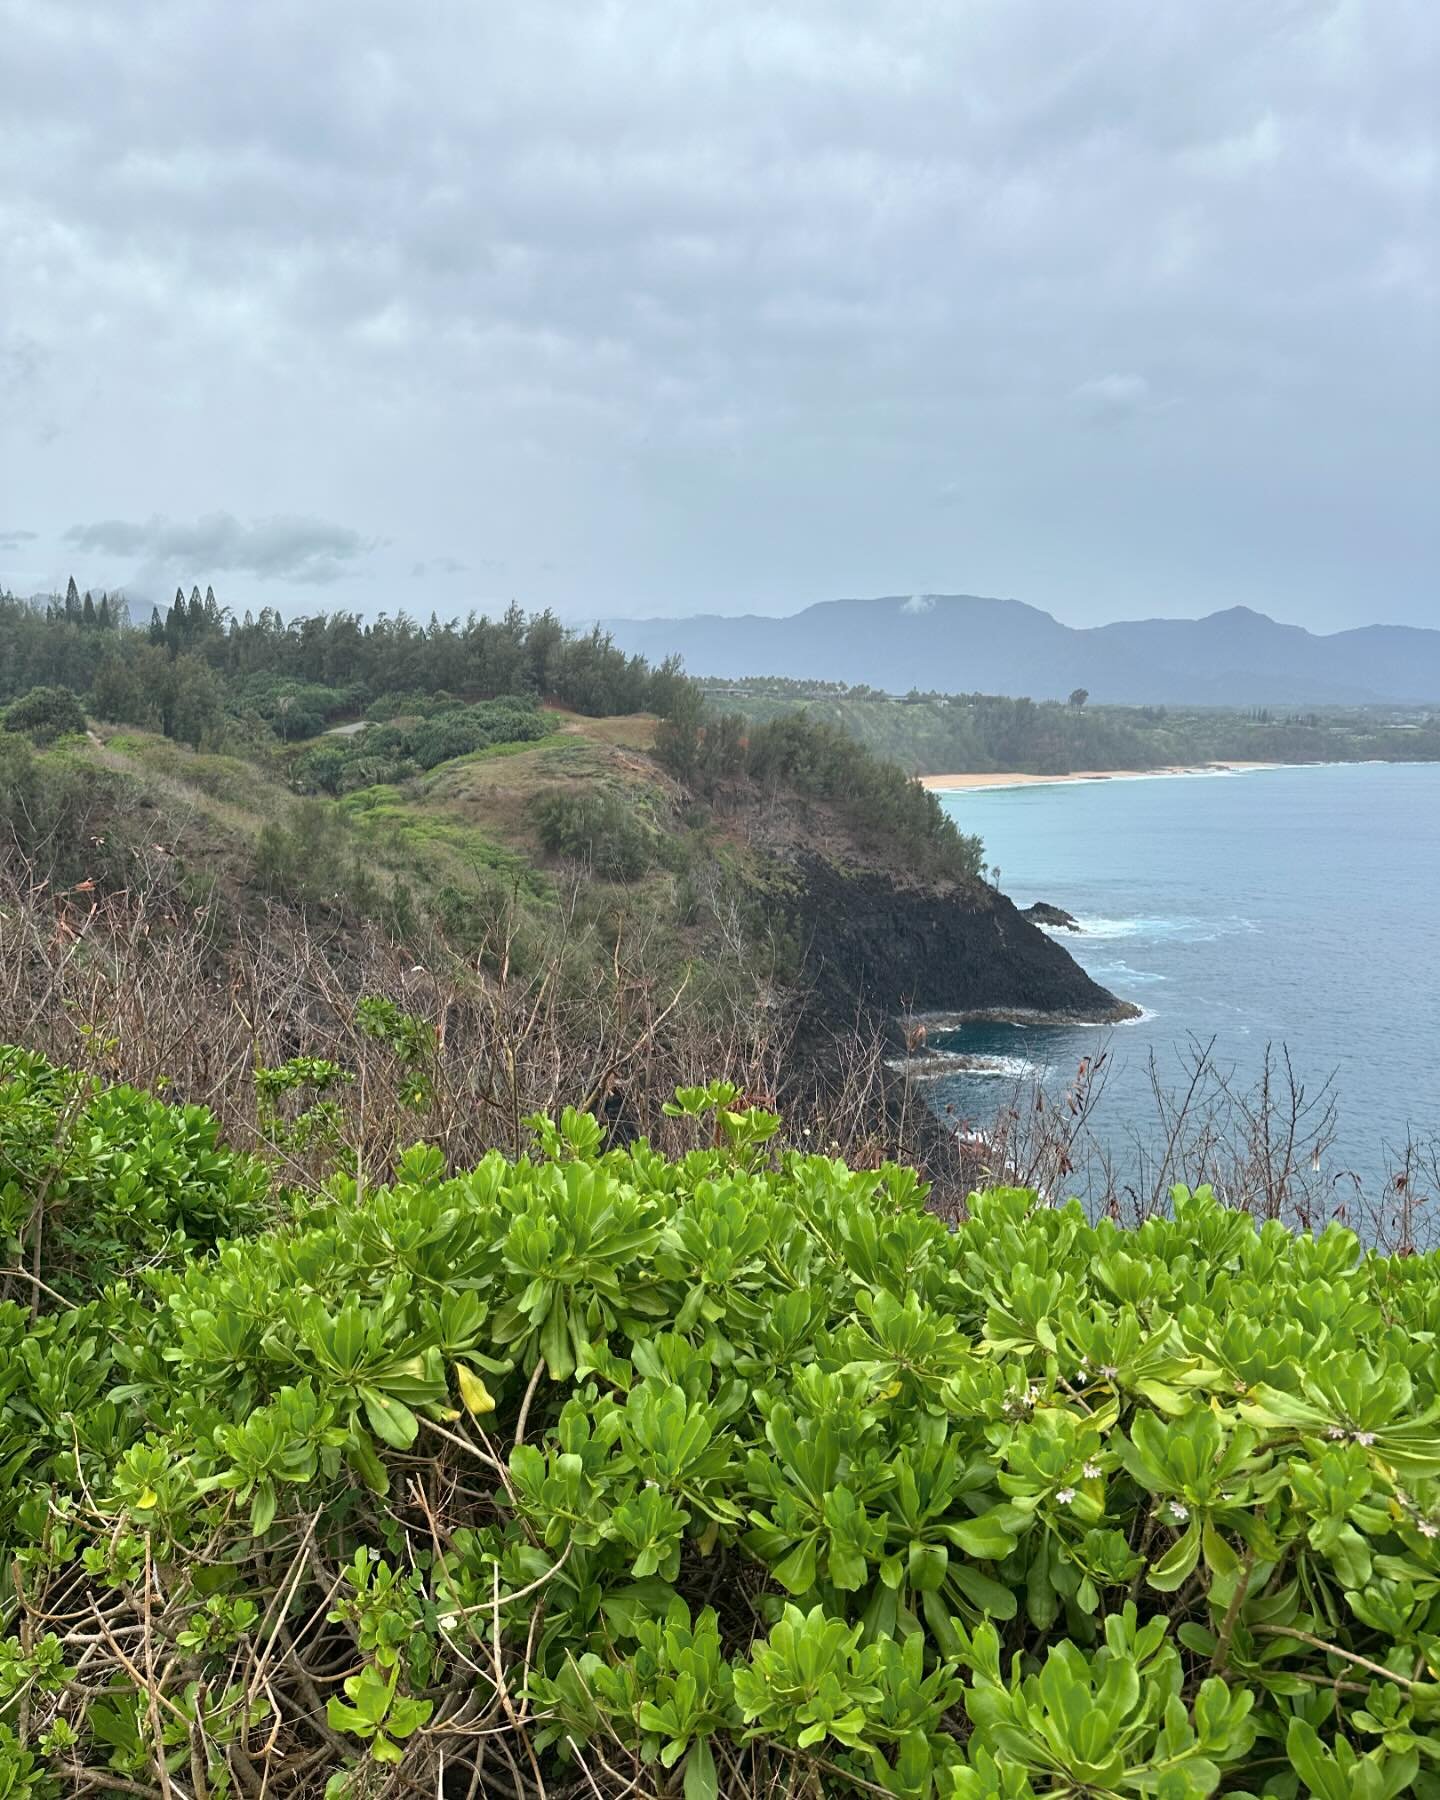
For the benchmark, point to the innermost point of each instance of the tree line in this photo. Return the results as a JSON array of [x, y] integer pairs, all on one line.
[[935, 733], [198, 668]]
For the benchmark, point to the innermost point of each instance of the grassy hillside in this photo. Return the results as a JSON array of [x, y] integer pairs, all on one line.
[[568, 883], [451, 846]]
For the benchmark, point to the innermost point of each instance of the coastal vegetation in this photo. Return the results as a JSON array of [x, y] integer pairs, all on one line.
[[431, 1366], [198, 673], [354, 770], [726, 1468], [946, 734]]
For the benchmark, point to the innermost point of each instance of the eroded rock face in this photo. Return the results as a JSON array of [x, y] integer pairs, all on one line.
[[1056, 917], [880, 946]]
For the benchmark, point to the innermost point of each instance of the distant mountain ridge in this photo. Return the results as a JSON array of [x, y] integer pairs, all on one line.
[[966, 643]]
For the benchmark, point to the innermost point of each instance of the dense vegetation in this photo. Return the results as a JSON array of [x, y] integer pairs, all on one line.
[[44, 714], [597, 1472], [930, 733], [713, 751], [198, 672], [408, 746], [375, 837]]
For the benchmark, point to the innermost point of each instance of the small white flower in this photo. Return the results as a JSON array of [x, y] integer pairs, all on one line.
[[1109, 1371], [448, 1621], [1178, 1512], [1426, 1529], [1365, 1438], [1091, 1471], [1032, 1394], [1335, 1431], [1065, 1495]]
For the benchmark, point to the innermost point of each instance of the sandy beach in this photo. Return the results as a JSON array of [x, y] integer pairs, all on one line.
[[975, 781]]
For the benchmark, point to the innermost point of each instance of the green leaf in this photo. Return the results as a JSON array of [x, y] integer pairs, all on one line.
[[1220, 1559], [1313, 1763], [992, 1597], [796, 1574], [928, 1563], [984, 1537], [1178, 1562], [390, 1419], [262, 1508], [365, 1462], [555, 1341], [701, 1779]]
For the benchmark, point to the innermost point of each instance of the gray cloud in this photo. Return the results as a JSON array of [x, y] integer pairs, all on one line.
[[12, 540], [674, 306], [438, 565], [311, 552], [1107, 399]]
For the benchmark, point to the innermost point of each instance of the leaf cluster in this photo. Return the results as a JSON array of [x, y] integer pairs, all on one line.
[[733, 1467]]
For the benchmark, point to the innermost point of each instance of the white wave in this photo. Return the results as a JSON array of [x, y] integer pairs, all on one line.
[[1009, 1068], [1185, 926], [1121, 971], [1098, 928], [1142, 1016], [944, 1065]]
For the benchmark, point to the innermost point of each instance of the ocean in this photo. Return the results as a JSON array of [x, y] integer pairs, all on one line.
[[1288, 908]]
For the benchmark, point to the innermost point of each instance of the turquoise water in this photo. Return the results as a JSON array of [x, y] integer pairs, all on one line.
[[1293, 907]]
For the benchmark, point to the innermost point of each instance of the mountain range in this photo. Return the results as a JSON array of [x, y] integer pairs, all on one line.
[[965, 643]]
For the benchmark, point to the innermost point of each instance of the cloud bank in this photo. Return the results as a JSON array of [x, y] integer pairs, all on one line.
[[310, 552], [673, 306]]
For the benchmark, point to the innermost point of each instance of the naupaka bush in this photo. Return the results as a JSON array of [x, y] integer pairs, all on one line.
[[601, 1473]]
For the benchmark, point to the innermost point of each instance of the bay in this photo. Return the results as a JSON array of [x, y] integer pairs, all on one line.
[[1286, 907]]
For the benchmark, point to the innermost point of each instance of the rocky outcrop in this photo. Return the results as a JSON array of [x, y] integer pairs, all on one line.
[[1056, 917], [884, 948]]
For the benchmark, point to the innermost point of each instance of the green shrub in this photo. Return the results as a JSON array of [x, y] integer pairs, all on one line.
[[803, 755], [742, 1467], [66, 822], [393, 751], [44, 714], [103, 1178], [601, 830], [413, 705]]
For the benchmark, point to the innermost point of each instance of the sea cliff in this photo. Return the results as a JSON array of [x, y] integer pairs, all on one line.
[[881, 948]]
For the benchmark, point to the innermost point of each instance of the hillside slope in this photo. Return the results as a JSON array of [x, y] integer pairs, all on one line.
[[563, 854]]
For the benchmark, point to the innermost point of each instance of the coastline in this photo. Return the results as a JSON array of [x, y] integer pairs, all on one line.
[[976, 782]]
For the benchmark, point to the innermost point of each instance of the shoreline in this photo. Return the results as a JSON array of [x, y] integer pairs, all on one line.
[[979, 782]]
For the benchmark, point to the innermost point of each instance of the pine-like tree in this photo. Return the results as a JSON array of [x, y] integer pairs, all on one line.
[[87, 611], [72, 601]]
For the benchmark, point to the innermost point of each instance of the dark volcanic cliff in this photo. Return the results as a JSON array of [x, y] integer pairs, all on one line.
[[879, 947]]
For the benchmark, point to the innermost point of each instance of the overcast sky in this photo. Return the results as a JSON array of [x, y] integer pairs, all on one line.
[[1120, 307]]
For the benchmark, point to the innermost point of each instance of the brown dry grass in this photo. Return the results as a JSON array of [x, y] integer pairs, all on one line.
[[632, 731], [134, 988]]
